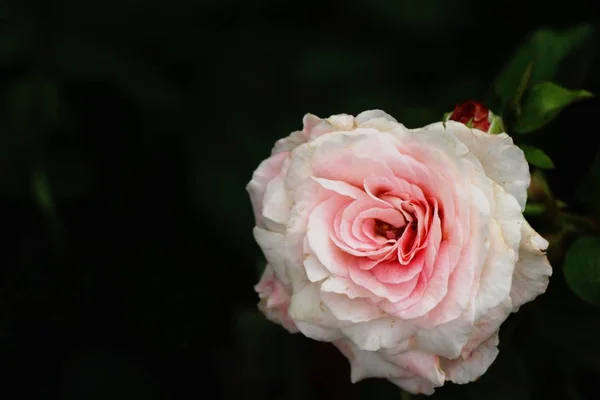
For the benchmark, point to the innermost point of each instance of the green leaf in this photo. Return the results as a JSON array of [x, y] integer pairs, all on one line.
[[543, 103], [544, 52], [537, 157], [582, 268], [522, 88]]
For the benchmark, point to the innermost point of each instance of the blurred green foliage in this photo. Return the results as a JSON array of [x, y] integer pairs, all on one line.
[[543, 103], [536, 157], [546, 52], [582, 268], [129, 129]]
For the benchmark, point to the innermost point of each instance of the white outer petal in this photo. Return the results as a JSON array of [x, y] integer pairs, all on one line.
[[372, 114], [387, 332], [273, 247], [502, 160], [505, 234], [448, 339], [414, 371], [353, 310], [274, 300], [312, 316], [532, 271], [262, 176], [468, 370]]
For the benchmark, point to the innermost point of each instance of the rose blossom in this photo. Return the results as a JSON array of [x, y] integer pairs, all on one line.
[[405, 248]]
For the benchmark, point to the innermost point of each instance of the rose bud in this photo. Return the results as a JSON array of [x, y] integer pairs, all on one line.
[[405, 248], [476, 115]]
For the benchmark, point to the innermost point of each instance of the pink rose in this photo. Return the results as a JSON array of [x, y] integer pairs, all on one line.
[[405, 248]]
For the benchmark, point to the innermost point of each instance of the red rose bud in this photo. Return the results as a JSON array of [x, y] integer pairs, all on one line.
[[476, 115]]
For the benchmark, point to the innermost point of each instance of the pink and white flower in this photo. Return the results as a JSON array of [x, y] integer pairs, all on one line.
[[405, 248]]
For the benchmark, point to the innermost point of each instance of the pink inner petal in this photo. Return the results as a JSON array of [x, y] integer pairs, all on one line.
[[436, 290], [368, 230], [350, 168], [349, 239], [391, 292], [375, 186], [340, 187], [393, 272], [408, 244], [376, 253], [367, 263], [434, 239], [319, 229]]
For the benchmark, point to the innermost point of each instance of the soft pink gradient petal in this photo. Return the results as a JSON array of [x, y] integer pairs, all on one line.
[[264, 174], [277, 205], [388, 292], [341, 187], [319, 230], [350, 157], [297, 138], [394, 272], [414, 371], [274, 300], [436, 289], [357, 213]]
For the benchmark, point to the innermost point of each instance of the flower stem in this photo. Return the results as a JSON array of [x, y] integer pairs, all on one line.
[[406, 395]]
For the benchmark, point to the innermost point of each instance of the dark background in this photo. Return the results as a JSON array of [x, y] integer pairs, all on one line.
[[128, 131]]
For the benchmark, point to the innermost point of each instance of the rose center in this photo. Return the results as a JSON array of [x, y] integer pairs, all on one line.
[[388, 231]]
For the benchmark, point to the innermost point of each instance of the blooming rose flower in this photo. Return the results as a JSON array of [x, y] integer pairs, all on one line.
[[405, 248]]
